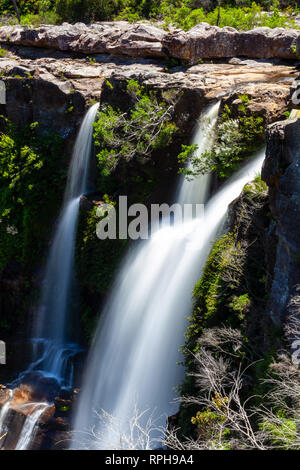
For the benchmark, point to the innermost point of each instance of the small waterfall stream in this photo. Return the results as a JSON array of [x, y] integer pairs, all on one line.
[[53, 348], [3, 414], [29, 427]]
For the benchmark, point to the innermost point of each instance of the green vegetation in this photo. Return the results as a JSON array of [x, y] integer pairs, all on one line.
[[185, 14], [29, 174], [3, 52], [96, 260], [136, 134], [240, 17], [236, 139], [221, 278], [231, 293], [31, 186], [32, 12]]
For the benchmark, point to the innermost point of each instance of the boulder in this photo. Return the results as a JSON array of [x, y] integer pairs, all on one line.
[[140, 40], [144, 40], [209, 42]]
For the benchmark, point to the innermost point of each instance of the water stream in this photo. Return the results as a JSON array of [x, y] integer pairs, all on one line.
[[30, 425], [53, 348], [134, 354]]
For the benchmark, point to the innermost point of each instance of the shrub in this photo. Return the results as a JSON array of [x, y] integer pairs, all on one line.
[[87, 10], [242, 18], [146, 127], [236, 139]]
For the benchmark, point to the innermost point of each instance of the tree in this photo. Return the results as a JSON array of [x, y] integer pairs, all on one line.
[[17, 10]]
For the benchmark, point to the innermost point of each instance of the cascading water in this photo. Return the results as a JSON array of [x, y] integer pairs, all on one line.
[[3, 414], [135, 351], [196, 190], [29, 426], [53, 350]]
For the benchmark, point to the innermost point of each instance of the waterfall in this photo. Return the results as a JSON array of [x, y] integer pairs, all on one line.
[[30, 425], [3, 414], [196, 190], [135, 350], [53, 348]]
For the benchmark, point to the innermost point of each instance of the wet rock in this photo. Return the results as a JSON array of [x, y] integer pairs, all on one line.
[[13, 426], [58, 423], [63, 405], [5, 394]]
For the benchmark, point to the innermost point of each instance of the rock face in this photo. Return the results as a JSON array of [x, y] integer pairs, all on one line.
[[268, 100], [55, 91], [119, 38], [281, 171], [143, 40], [208, 42]]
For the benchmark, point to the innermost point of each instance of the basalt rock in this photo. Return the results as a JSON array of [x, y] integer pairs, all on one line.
[[281, 171]]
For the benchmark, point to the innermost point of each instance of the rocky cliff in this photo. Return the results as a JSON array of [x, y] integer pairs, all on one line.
[[281, 171], [50, 80], [143, 40]]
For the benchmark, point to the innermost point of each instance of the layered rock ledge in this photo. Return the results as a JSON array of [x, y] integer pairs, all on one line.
[[145, 40], [55, 91]]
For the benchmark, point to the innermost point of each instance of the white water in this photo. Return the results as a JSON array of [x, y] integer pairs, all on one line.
[[134, 354], [53, 349], [196, 190], [30, 425], [3, 414], [135, 350]]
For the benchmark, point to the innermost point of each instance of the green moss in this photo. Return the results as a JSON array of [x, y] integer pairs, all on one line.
[[3, 52], [213, 289], [96, 263], [96, 259]]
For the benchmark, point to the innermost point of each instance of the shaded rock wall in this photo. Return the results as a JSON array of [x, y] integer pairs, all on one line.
[[281, 171]]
